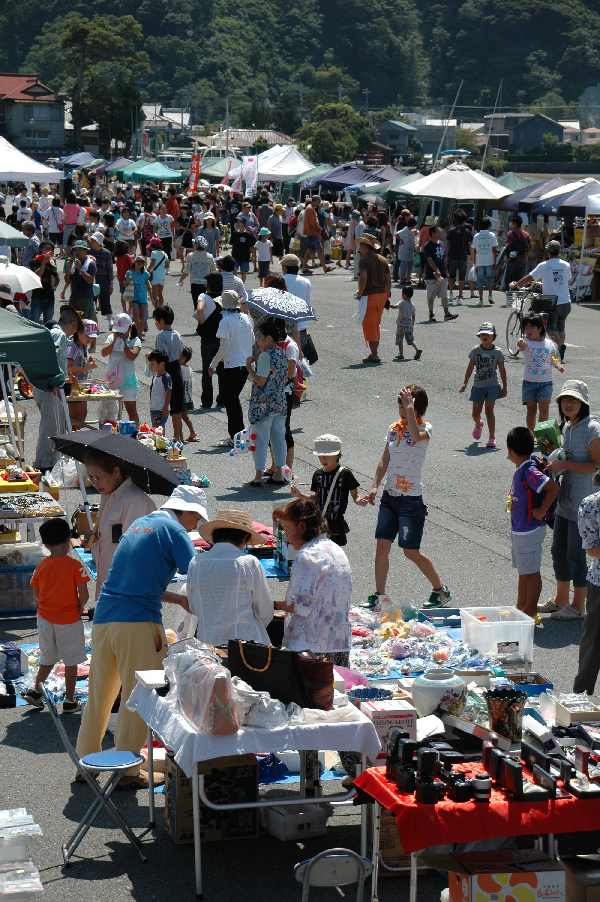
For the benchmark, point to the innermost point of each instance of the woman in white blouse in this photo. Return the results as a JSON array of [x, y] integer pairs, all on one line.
[[227, 589], [319, 592]]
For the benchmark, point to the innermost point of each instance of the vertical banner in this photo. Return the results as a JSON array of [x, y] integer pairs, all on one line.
[[225, 179], [194, 172], [250, 173], [237, 183]]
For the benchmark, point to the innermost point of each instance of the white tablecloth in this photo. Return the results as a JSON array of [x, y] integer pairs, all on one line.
[[190, 745]]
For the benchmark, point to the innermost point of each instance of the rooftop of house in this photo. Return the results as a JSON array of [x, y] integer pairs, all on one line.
[[20, 88]]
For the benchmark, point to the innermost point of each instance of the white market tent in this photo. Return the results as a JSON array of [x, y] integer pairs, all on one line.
[[16, 166], [278, 164], [457, 182]]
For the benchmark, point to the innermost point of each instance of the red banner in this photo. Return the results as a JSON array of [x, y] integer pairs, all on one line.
[[194, 172]]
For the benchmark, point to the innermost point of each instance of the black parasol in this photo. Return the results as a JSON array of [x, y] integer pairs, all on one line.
[[147, 468]]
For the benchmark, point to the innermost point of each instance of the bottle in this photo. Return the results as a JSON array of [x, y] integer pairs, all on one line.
[[509, 503]]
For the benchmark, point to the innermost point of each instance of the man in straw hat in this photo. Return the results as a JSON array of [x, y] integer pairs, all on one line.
[[375, 283], [128, 634], [227, 589], [312, 231]]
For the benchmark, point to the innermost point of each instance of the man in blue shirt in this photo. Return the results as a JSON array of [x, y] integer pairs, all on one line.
[[127, 634]]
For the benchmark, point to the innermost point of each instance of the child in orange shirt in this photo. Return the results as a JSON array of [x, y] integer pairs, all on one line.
[[59, 586]]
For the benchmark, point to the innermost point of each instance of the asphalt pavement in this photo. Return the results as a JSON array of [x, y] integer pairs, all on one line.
[[467, 534]]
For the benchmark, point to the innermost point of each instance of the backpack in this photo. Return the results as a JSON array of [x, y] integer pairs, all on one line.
[[536, 500], [147, 228], [518, 245]]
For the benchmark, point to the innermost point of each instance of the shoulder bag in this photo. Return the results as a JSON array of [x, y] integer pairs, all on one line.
[[269, 669], [330, 493]]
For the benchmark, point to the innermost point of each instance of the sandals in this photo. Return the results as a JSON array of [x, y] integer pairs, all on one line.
[[255, 485], [549, 607], [567, 613], [271, 481]]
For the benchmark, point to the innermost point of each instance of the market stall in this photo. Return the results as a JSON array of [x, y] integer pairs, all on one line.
[[16, 166]]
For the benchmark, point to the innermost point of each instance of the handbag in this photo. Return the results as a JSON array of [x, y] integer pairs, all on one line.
[[295, 244], [269, 669], [318, 675], [178, 242], [309, 350]]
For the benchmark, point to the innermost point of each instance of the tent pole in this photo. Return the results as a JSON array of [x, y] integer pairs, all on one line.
[[86, 503], [15, 442], [585, 221]]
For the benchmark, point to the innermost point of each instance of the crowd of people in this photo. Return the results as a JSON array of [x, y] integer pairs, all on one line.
[[217, 238]]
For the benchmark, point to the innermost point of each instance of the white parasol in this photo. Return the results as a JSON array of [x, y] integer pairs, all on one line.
[[18, 278], [457, 182]]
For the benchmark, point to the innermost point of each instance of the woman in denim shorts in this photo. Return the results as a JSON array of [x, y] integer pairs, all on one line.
[[402, 511]]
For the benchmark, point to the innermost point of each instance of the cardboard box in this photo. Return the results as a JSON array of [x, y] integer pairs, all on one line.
[[389, 715], [391, 853], [227, 780], [531, 683], [567, 716], [582, 878], [293, 824], [526, 875]]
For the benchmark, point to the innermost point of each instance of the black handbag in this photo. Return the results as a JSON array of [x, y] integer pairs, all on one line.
[[269, 669], [309, 350]]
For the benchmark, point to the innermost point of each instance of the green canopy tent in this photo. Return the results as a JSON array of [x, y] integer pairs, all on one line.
[[122, 171], [218, 168], [12, 237], [515, 182], [30, 347], [154, 172], [293, 186], [393, 190]]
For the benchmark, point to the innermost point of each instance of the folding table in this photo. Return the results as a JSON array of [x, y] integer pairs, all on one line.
[[420, 826], [191, 746]]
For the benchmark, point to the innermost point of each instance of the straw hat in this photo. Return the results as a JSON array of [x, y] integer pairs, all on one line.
[[371, 240], [231, 520], [278, 207]]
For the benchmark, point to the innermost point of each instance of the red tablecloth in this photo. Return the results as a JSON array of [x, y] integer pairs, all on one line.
[[421, 826]]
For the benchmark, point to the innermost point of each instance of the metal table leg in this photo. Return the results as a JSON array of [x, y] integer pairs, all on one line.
[[197, 838], [363, 815], [375, 859], [413, 876], [150, 744], [302, 755]]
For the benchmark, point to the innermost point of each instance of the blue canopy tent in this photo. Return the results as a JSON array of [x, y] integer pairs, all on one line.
[[342, 177], [76, 159], [569, 203], [386, 173], [526, 197]]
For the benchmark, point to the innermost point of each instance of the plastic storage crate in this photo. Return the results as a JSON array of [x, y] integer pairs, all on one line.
[[505, 632], [15, 592]]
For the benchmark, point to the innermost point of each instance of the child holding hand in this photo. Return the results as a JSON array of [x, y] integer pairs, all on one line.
[[331, 487]]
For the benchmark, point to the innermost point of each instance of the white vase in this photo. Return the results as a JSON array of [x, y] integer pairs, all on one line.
[[439, 691]]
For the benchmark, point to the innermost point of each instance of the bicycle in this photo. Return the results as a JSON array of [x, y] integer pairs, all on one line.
[[518, 298]]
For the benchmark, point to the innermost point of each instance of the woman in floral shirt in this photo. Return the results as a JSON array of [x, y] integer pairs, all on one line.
[[588, 521], [319, 592], [268, 403]]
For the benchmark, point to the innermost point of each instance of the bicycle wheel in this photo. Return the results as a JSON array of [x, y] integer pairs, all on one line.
[[513, 333]]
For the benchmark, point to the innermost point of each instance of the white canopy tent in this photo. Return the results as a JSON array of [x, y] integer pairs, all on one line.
[[458, 182], [16, 166], [592, 208], [278, 164]]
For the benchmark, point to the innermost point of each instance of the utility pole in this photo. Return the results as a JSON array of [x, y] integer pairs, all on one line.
[[227, 127], [366, 93], [487, 143], [155, 122]]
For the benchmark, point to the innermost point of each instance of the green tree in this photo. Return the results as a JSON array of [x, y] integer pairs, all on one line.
[[465, 140], [114, 106], [260, 145]]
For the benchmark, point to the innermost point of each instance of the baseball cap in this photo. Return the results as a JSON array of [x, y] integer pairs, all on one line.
[[327, 445], [90, 327], [187, 498], [121, 322], [487, 329]]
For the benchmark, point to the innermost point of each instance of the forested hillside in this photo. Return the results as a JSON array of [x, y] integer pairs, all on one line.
[[275, 59]]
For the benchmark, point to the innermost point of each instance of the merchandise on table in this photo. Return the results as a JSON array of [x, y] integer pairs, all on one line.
[[23, 506]]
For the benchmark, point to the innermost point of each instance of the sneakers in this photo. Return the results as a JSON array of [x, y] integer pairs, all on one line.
[[418, 353], [371, 601], [459, 301], [226, 443], [561, 352], [448, 316], [398, 357], [432, 318], [71, 707], [479, 303], [451, 297], [438, 598], [490, 301], [34, 698]]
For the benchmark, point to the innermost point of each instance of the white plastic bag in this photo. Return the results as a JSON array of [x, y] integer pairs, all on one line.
[[64, 472], [472, 274], [203, 690], [361, 310]]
